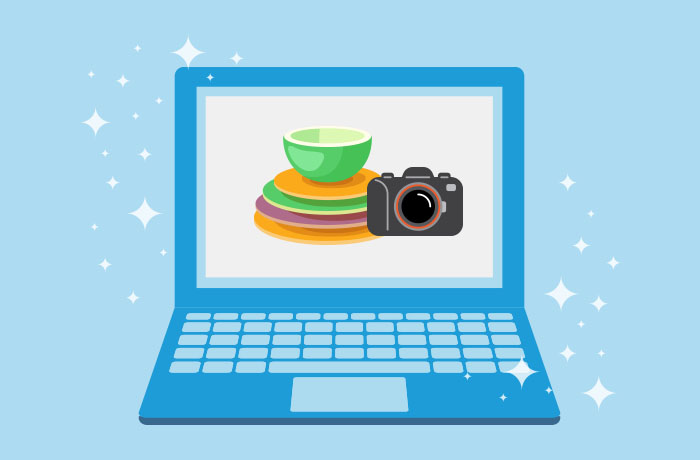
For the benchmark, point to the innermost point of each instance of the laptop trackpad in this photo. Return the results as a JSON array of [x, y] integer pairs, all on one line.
[[349, 394]]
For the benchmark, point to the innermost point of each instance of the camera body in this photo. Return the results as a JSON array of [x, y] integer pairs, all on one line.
[[416, 203]]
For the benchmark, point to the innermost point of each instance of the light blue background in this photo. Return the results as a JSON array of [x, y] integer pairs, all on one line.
[[611, 99]]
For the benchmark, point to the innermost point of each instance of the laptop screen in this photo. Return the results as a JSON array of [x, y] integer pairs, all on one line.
[[291, 190]]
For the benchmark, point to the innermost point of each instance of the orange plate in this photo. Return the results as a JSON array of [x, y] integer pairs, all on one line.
[[312, 235], [293, 183]]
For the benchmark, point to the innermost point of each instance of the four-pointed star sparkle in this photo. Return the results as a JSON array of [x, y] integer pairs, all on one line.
[[613, 263], [581, 245], [104, 264], [95, 122], [188, 52], [94, 227], [159, 100], [144, 213], [561, 294], [236, 58], [567, 182], [137, 48], [521, 371], [598, 393], [104, 153], [91, 74], [112, 182], [598, 303], [567, 353], [144, 154], [163, 252], [133, 297], [122, 81]]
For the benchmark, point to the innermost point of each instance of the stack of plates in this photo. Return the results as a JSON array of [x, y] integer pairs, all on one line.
[[294, 208]]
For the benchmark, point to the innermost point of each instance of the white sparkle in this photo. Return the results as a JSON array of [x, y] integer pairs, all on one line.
[[548, 390], [601, 353], [567, 182], [598, 303], [104, 153], [581, 324], [613, 263], [236, 58], [144, 154], [163, 252], [561, 294], [210, 77], [159, 100], [137, 48], [112, 182], [503, 397], [591, 213], [188, 52], [567, 353], [521, 371], [599, 393], [581, 245], [91, 74], [133, 297], [144, 213], [122, 81], [95, 122], [467, 376], [135, 116], [104, 264], [94, 226]]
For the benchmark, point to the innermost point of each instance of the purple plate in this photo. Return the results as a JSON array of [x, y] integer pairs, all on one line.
[[298, 219]]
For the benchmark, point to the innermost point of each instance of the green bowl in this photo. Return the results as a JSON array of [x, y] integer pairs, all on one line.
[[327, 153]]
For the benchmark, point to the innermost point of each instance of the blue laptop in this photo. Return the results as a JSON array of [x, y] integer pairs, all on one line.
[[349, 250]]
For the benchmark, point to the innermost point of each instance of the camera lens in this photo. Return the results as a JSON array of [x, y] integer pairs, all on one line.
[[418, 206]]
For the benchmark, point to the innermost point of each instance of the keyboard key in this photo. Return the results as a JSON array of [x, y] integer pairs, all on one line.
[[252, 353], [192, 339], [225, 316], [411, 339], [381, 353], [217, 367], [510, 353], [445, 353], [196, 327], [413, 353], [505, 316], [280, 316], [379, 326], [349, 353], [445, 316], [441, 327], [227, 339], [349, 367], [481, 367], [472, 316], [383, 339], [390, 316], [471, 326], [198, 316], [317, 353], [349, 326], [317, 339], [362, 316], [189, 353], [221, 353], [477, 353], [442, 339], [335, 316], [184, 367], [448, 366], [410, 327], [502, 327], [309, 316], [227, 327], [418, 316], [506, 366], [252, 316], [255, 340], [474, 339], [288, 327], [349, 339], [257, 327], [284, 353], [319, 327], [249, 367], [286, 339], [503, 339]]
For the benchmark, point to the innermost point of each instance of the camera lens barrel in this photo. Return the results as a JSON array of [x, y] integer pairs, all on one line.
[[418, 206]]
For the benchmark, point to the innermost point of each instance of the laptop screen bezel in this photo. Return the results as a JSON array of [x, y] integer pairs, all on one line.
[[511, 82]]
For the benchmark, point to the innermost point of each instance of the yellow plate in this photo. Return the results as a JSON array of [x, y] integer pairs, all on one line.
[[292, 183], [312, 235]]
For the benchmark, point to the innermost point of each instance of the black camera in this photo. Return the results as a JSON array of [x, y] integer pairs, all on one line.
[[417, 203]]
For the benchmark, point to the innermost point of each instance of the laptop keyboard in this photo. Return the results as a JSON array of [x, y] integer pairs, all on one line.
[[342, 343]]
